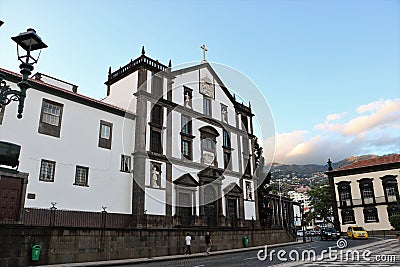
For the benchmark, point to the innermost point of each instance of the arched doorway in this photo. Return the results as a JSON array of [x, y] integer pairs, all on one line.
[[210, 206]]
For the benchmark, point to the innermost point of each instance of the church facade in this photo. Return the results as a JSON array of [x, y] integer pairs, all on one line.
[[170, 146]]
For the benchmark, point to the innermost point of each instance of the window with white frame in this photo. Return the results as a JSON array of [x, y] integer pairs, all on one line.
[[368, 195], [105, 131], [207, 144], [345, 195], [47, 170], [81, 176], [51, 113], [105, 134]]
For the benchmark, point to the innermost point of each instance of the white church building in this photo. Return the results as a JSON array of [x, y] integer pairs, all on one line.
[[172, 144]]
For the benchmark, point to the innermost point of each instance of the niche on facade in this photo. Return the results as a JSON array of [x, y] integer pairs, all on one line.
[[155, 175]]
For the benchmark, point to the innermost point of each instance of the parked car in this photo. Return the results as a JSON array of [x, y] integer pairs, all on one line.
[[357, 232], [314, 232], [329, 233], [300, 233]]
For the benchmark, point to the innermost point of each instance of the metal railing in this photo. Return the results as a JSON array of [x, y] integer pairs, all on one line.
[[359, 201], [69, 218], [142, 59]]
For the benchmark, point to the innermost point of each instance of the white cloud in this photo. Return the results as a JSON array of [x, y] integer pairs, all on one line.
[[333, 117], [374, 129], [383, 114]]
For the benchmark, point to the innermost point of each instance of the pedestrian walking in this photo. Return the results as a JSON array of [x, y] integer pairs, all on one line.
[[208, 241], [188, 240]]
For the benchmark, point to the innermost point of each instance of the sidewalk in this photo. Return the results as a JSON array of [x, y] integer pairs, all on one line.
[[163, 258]]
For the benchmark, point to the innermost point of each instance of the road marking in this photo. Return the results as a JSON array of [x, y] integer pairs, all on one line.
[[199, 265], [252, 258]]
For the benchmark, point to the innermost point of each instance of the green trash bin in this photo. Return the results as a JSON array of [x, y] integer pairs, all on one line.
[[35, 252], [245, 241]]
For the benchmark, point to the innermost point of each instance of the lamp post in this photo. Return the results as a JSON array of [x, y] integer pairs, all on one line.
[[280, 202], [28, 41], [303, 222]]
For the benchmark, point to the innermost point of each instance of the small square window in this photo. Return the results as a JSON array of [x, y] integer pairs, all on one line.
[[125, 163], [348, 216], [81, 176], [371, 215], [47, 170]]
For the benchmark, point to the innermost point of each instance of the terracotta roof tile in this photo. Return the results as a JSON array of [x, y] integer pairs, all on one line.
[[394, 158], [33, 81]]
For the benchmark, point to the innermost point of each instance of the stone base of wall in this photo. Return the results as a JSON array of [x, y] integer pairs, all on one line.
[[69, 245]]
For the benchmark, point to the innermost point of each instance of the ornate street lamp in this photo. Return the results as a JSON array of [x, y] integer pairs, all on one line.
[[28, 41]]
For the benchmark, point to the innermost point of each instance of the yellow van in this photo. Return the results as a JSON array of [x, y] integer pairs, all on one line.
[[357, 231]]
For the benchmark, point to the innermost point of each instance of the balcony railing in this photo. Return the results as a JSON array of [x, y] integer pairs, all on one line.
[[131, 65], [359, 201]]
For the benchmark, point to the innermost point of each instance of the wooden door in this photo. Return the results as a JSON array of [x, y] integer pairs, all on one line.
[[10, 198]]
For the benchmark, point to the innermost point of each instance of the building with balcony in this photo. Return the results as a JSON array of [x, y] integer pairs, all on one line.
[[366, 193]]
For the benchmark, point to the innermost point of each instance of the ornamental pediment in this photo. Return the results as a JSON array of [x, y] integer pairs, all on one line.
[[186, 180], [233, 189]]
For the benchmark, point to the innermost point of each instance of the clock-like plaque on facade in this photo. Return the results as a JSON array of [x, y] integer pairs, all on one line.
[[206, 87], [208, 158]]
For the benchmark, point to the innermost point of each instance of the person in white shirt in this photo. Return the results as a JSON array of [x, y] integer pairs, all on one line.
[[188, 240]]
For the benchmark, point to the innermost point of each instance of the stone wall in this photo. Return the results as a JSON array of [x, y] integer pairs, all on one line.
[[67, 245]]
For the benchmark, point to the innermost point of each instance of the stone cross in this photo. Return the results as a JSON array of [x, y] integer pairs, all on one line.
[[204, 52]]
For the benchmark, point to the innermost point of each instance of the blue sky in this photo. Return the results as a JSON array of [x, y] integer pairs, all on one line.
[[327, 68]]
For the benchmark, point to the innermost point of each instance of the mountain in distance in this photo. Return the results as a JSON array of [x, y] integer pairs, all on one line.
[[311, 171]]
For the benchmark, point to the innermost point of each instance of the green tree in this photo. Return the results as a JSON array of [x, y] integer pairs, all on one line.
[[322, 203], [263, 190], [395, 222]]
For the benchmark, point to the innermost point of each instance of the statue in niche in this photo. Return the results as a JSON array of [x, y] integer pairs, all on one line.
[[187, 100], [154, 177], [224, 115], [248, 191]]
